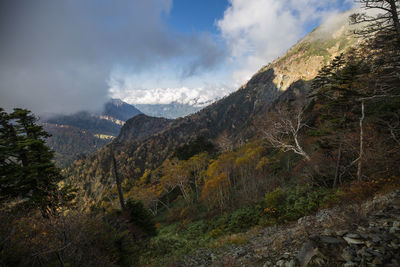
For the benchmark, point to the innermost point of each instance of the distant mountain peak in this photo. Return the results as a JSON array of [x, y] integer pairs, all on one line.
[[120, 110], [116, 102]]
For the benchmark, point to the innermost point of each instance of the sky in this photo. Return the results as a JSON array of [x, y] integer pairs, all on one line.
[[62, 56]]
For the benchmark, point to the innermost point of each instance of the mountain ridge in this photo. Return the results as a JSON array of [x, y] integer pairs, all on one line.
[[230, 119]]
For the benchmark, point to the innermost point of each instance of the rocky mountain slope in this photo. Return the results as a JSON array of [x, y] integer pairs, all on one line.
[[140, 127], [366, 234], [231, 119]]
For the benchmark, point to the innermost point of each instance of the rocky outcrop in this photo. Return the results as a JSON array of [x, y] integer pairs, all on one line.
[[365, 234], [140, 127], [118, 109]]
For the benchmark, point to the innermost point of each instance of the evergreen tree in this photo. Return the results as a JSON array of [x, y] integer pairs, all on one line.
[[28, 176]]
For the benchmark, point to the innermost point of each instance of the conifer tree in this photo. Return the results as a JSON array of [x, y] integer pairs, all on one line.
[[28, 176]]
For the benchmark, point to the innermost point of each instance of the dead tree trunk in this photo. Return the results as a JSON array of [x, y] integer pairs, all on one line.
[[395, 17], [118, 181], [282, 130], [335, 182], [361, 154]]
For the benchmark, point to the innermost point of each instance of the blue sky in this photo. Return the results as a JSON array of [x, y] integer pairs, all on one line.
[[194, 16], [65, 56]]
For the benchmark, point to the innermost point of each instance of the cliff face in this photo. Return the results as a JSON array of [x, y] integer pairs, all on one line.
[[140, 127], [305, 59], [119, 110]]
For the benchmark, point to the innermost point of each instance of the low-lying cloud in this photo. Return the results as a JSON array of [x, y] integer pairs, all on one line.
[[184, 95]]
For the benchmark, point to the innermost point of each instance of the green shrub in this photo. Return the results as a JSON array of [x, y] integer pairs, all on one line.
[[239, 221], [196, 229], [295, 201], [245, 218], [274, 199]]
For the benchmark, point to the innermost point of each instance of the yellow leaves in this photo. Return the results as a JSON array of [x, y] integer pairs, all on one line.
[[264, 162], [149, 194], [145, 177], [215, 189], [224, 163], [198, 162], [270, 211], [174, 172], [242, 161]]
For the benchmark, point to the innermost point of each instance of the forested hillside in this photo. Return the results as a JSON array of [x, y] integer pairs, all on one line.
[[234, 120], [83, 133], [306, 131], [266, 173]]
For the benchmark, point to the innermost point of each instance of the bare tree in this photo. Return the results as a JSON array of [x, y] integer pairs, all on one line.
[[387, 18], [282, 129], [361, 154]]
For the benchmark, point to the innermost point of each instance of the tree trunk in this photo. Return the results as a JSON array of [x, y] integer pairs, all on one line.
[[118, 181], [182, 188], [300, 149], [335, 182], [60, 259], [360, 159], [395, 18], [196, 187]]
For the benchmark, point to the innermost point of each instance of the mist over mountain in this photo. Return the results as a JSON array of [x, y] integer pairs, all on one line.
[[118, 109], [173, 110], [84, 132]]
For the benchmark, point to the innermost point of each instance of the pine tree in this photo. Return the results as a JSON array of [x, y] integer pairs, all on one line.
[[28, 176]]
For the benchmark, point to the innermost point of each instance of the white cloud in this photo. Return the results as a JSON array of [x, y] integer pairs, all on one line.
[[255, 33], [126, 90], [258, 31]]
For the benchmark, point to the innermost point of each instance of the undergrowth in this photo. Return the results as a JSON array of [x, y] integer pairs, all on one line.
[[282, 205]]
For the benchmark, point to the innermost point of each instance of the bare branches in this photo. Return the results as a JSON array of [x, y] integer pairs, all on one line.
[[387, 20], [52, 250], [283, 128]]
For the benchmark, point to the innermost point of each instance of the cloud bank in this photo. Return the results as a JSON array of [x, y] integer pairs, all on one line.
[[65, 56], [57, 56], [183, 95]]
